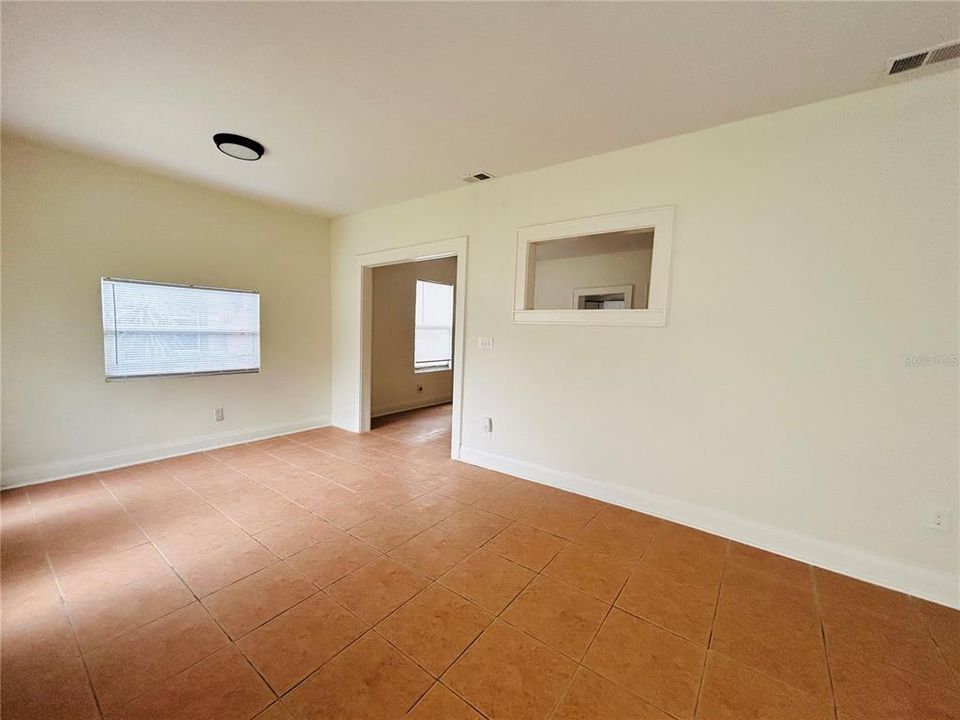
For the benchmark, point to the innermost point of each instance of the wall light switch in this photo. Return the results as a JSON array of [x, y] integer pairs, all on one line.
[[486, 424], [218, 414], [485, 343]]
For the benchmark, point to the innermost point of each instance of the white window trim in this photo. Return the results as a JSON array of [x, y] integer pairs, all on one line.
[[659, 219]]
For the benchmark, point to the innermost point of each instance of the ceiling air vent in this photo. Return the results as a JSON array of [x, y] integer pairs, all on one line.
[[907, 63], [923, 58], [478, 176], [945, 52]]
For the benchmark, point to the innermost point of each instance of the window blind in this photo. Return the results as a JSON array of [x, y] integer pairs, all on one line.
[[156, 329], [433, 333]]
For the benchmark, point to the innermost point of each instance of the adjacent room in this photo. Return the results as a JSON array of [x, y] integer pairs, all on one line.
[[480, 361]]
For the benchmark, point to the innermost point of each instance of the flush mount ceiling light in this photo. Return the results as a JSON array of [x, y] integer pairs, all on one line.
[[238, 146]]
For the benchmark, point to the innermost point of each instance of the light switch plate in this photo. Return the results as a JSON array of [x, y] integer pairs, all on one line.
[[485, 343]]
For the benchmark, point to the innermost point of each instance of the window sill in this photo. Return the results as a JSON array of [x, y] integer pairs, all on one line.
[[647, 318], [418, 371]]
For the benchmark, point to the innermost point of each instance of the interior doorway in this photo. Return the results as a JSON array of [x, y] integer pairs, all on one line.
[[411, 316], [413, 327]]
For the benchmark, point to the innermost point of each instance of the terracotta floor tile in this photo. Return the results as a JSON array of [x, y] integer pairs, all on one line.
[[508, 674], [441, 704], [591, 697], [687, 556], [126, 667], [257, 510], [275, 712], [56, 689], [733, 692], [435, 627], [330, 560], [944, 625], [392, 528], [514, 500], [763, 594], [108, 540], [222, 685], [622, 533], [563, 514], [218, 568], [250, 602], [214, 481], [656, 665], [872, 690], [526, 546], [377, 589], [463, 489], [292, 536], [907, 643], [589, 570], [783, 569], [471, 527], [294, 644], [558, 615], [104, 616], [492, 582], [370, 679], [98, 573], [42, 633], [684, 609], [431, 553], [840, 591], [780, 648]]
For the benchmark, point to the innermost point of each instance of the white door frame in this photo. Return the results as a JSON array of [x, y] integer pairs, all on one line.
[[365, 262]]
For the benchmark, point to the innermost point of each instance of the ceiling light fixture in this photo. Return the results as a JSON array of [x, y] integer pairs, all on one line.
[[238, 146]]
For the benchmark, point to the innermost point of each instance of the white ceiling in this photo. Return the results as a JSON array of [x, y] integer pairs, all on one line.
[[364, 104]]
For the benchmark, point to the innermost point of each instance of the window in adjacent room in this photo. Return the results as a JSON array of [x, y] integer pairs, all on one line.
[[433, 332], [160, 330]]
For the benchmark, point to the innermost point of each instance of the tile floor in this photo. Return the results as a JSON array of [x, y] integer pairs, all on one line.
[[329, 575]]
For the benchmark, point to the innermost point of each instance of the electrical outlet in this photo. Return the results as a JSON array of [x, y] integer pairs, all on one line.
[[218, 414], [939, 520], [486, 424]]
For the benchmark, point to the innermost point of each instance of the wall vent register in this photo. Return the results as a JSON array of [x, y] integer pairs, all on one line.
[[153, 329]]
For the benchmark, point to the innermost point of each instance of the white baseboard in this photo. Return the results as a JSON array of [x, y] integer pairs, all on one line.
[[59, 469], [403, 407], [894, 574]]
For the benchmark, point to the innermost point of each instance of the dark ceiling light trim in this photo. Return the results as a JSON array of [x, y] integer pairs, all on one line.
[[238, 146]]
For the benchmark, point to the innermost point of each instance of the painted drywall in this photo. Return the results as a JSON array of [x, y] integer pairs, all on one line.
[[815, 253], [556, 279], [68, 220], [393, 381]]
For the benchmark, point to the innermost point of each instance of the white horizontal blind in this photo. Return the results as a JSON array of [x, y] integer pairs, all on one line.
[[153, 329], [433, 334]]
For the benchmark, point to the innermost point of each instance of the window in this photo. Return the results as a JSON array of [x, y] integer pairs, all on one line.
[[603, 270], [433, 332], [156, 329]]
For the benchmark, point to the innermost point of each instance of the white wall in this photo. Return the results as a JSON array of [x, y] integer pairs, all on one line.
[[67, 220], [557, 278], [813, 250], [394, 382]]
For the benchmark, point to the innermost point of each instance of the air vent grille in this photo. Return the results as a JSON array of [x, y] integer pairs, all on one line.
[[907, 63], [923, 58], [947, 52], [478, 176]]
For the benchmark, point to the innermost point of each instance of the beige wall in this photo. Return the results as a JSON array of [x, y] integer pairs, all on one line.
[[394, 382], [813, 250], [67, 220], [556, 279]]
